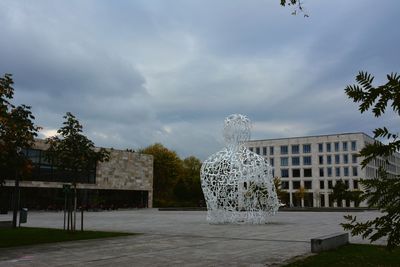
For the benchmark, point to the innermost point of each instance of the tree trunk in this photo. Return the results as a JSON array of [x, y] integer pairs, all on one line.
[[16, 201]]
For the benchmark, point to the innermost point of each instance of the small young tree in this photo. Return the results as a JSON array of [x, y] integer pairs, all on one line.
[[73, 153], [340, 192], [382, 192], [17, 132]]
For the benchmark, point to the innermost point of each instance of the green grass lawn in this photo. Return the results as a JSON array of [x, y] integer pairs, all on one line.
[[353, 255], [29, 236]]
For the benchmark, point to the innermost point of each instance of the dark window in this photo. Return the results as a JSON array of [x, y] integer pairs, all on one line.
[[284, 173], [285, 184], [295, 172], [307, 184], [258, 150], [330, 185], [354, 145], [328, 147], [307, 160], [307, 173], [346, 183], [295, 149], [321, 147], [271, 150], [355, 184], [321, 160], [329, 159], [284, 161], [346, 171], [329, 171], [354, 158], [296, 184], [344, 146], [307, 148], [271, 161], [337, 171], [321, 184], [295, 161], [336, 146], [284, 150], [337, 159], [355, 171], [321, 172], [264, 150], [345, 159], [251, 149]]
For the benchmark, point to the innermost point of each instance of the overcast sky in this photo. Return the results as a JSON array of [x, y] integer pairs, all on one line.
[[169, 71]]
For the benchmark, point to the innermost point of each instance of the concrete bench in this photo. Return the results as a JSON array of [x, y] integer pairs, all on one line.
[[329, 242], [5, 224]]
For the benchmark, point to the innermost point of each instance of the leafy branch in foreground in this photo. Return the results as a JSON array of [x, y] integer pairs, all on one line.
[[383, 191]]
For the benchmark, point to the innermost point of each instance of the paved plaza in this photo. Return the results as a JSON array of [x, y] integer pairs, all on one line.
[[172, 238]]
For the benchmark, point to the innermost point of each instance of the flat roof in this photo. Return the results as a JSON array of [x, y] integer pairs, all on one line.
[[307, 136]]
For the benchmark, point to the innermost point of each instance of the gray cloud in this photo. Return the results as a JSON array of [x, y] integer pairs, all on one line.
[[141, 72]]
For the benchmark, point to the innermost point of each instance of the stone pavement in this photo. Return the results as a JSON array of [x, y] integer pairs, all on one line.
[[170, 238]]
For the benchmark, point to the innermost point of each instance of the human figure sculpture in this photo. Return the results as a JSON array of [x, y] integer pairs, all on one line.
[[237, 183]]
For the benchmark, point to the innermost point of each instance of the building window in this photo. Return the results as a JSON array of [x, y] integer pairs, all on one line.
[[355, 184], [296, 184], [344, 146], [264, 150], [284, 161], [307, 173], [307, 184], [321, 184], [271, 162], [271, 150], [307, 148], [295, 149], [329, 159], [257, 150], [346, 183], [329, 171], [295, 173], [321, 160], [320, 147], [337, 171], [337, 159], [346, 171], [285, 184], [295, 161], [328, 147], [284, 150], [284, 173], [336, 146], [307, 160], [251, 149], [321, 172], [330, 184], [345, 159], [354, 158], [355, 171], [354, 145]]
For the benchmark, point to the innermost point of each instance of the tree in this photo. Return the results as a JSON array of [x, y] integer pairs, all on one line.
[[297, 4], [300, 194], [73, 153], [340, 192], [382, 192], [167, 168], [17, 132]]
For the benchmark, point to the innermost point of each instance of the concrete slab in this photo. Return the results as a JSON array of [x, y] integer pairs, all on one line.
[[184, 238]]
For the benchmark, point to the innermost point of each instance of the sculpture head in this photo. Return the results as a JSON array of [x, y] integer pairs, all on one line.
[[236, 129]]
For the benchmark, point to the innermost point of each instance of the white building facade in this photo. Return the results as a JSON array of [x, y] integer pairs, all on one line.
[[310, 166]]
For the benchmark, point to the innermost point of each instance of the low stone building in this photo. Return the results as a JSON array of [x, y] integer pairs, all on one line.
[[125, 181]]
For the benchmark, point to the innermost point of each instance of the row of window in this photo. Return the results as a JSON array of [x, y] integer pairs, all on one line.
[[336, 146], [336, 158], [308, 184], [328, 172], [307, 160], [305, 148]]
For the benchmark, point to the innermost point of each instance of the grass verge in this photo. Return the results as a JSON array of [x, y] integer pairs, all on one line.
[[353, 255], [30, 236]]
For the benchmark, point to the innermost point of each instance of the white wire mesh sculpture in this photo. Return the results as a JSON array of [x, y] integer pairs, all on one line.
[[237, 183]]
